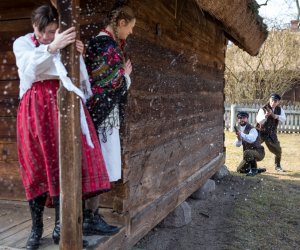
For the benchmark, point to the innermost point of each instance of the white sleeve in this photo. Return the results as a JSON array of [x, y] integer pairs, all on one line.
[[251, 137], [261, 118], [85, 84], [31, 61], [282, 116], [128, 80]]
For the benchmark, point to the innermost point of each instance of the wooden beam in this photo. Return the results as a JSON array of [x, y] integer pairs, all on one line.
[[179, 4], [15, 25], [70, 139]]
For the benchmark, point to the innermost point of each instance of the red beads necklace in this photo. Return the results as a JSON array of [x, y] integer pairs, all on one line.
[[35, 40]]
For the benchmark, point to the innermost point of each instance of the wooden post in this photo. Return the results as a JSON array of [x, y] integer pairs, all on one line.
[[232, 117], [70, 139]]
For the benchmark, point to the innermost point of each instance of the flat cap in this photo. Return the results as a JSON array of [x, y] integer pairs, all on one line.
[[275, 96], [241, 114]]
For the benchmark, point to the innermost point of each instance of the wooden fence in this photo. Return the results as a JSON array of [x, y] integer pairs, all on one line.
[[292, 124]]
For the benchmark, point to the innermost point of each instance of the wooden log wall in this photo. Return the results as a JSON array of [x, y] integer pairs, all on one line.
[[173, 138], [14, 22]]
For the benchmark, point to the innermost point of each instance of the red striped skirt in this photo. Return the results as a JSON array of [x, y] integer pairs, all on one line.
[[37, 142]]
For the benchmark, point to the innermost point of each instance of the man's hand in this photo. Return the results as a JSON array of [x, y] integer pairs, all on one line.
[[238, 135], [269, 113]]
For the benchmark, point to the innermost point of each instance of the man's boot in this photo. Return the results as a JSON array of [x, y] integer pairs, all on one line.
[[253, 169], [245, 169], [278, 167], [94, 224], [36, 206], [56, 230]]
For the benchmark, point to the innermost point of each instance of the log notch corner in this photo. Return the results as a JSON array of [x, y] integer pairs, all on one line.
[[240, 21]]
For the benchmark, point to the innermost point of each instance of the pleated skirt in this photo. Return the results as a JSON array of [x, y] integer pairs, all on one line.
[[38, 145]]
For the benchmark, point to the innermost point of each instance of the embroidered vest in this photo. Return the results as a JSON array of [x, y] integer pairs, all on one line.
[[255, 145], [269, 128]]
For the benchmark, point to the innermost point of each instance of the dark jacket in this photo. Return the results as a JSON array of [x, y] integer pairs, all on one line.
[[268, 131], [253, 146]]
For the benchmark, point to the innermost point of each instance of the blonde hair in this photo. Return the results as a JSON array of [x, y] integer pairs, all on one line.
[[117, 14]]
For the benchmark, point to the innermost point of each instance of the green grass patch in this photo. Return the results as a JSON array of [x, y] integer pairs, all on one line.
[[267, 209]]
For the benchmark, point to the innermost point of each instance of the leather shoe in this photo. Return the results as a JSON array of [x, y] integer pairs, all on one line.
[[94, 224], [33, 241], [56, 236], [261, 170], [252, 172]]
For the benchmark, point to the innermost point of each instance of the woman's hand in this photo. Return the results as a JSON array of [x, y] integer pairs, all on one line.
[[61, 40], [128, 67], [79, 46]]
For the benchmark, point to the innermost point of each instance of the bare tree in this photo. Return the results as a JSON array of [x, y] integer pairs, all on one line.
[[278, 22], [275, 69], [294, 4]]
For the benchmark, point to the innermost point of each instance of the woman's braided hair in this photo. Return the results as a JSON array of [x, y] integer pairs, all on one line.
[[119, 12]]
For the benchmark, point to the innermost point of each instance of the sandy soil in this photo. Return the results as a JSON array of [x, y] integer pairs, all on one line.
[[261, 212], [210, 227]]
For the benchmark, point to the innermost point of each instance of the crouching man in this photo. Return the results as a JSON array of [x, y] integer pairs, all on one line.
[[248, 136]]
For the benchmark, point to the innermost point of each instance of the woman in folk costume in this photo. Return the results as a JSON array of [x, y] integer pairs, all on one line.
[[109, 76], [40, 69]]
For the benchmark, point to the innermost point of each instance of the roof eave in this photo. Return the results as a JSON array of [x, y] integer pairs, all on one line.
[[239, 22]]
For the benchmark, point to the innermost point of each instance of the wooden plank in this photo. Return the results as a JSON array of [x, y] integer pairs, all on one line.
[[11, 186], [8, 72], [195, 27], [8, 128], [9, 88], [173, 106], [16, 237], [15, 223], [8, 106], [15, 233], [19, 12], [8, 152], [8, 4], [16, 25], [181, 163], [153, 133], [7, 39], [117, 241], [7, 57], [160, 208], [20, 239], [11, 215]]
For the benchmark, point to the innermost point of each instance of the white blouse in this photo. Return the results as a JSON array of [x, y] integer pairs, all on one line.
[[36, 64]]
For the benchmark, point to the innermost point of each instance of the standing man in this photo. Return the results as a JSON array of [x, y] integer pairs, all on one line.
[[247, 136], [268, 118]]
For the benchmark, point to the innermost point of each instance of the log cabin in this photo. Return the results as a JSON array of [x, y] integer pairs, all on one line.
[[173, 136]]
